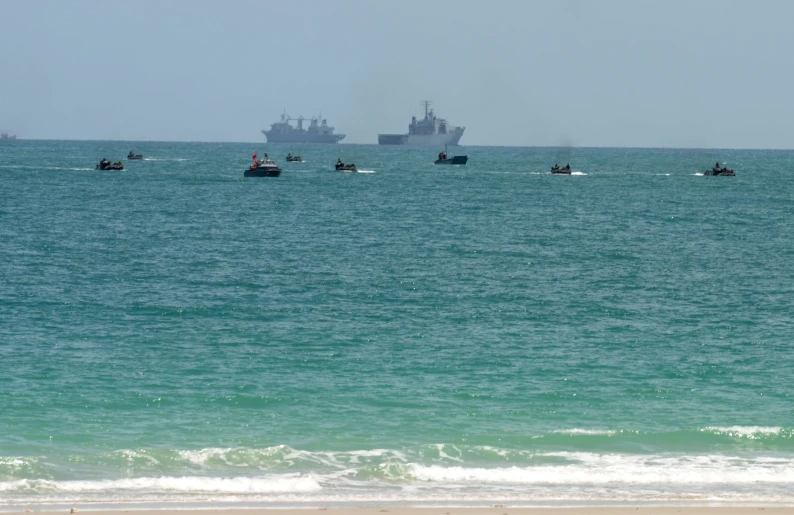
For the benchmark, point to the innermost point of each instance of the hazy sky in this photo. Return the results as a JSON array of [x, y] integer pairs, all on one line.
[[708, 73]]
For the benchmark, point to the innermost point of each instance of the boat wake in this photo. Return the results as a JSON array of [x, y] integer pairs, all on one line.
[[28, 167]]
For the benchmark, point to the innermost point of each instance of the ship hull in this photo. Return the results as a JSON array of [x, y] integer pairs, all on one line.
[[263, 172], [454, 160], [303, 138], [392, 139], [421, 140]]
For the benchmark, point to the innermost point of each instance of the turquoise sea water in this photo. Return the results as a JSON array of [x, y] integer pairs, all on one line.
[[176, 333]]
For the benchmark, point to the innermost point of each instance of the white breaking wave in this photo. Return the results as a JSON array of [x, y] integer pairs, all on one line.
[[236, 485], [283, 454], [232, 456], [595, 469], [433, 472], [576, 431], [13, 460], [745, 431], [578, 173]]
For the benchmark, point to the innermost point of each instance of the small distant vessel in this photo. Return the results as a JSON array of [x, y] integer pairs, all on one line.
[[263, 168], [294, 159], [342, 167], [318, 132], [107, 165], [565, 170], [721, 171], [6, 135], [430, 131], [132, 156], [454, 160]]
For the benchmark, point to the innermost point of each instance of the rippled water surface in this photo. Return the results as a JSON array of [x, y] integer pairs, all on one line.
[[413, 334]]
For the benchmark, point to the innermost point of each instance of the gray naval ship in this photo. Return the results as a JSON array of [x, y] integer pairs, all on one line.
[[430, 131], [318, 132]]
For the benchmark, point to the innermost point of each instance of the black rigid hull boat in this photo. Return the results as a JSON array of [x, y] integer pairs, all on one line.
[[294, 159], [132, 156], [565, 170], [454, 160], [107, 165], [263, 168], [444, 159], [721, 171], [342, 167]]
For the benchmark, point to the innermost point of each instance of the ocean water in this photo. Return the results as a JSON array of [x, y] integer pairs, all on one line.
[[176, 334]]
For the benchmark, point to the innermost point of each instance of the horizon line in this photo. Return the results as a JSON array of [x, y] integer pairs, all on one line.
[[638, 147]]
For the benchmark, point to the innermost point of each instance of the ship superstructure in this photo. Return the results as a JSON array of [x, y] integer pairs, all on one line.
[[318, 132], [6, 135], [430, 131]]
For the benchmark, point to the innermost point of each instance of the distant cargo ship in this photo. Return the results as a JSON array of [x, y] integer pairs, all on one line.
[[430, 131], [318, 132], [6, 135]]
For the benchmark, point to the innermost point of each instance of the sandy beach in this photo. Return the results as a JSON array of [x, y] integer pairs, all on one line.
[[495, 510]]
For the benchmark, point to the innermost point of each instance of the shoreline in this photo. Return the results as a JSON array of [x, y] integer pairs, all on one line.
[[496, 509]]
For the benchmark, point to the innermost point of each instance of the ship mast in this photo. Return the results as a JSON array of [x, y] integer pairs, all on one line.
[[426, 103]]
